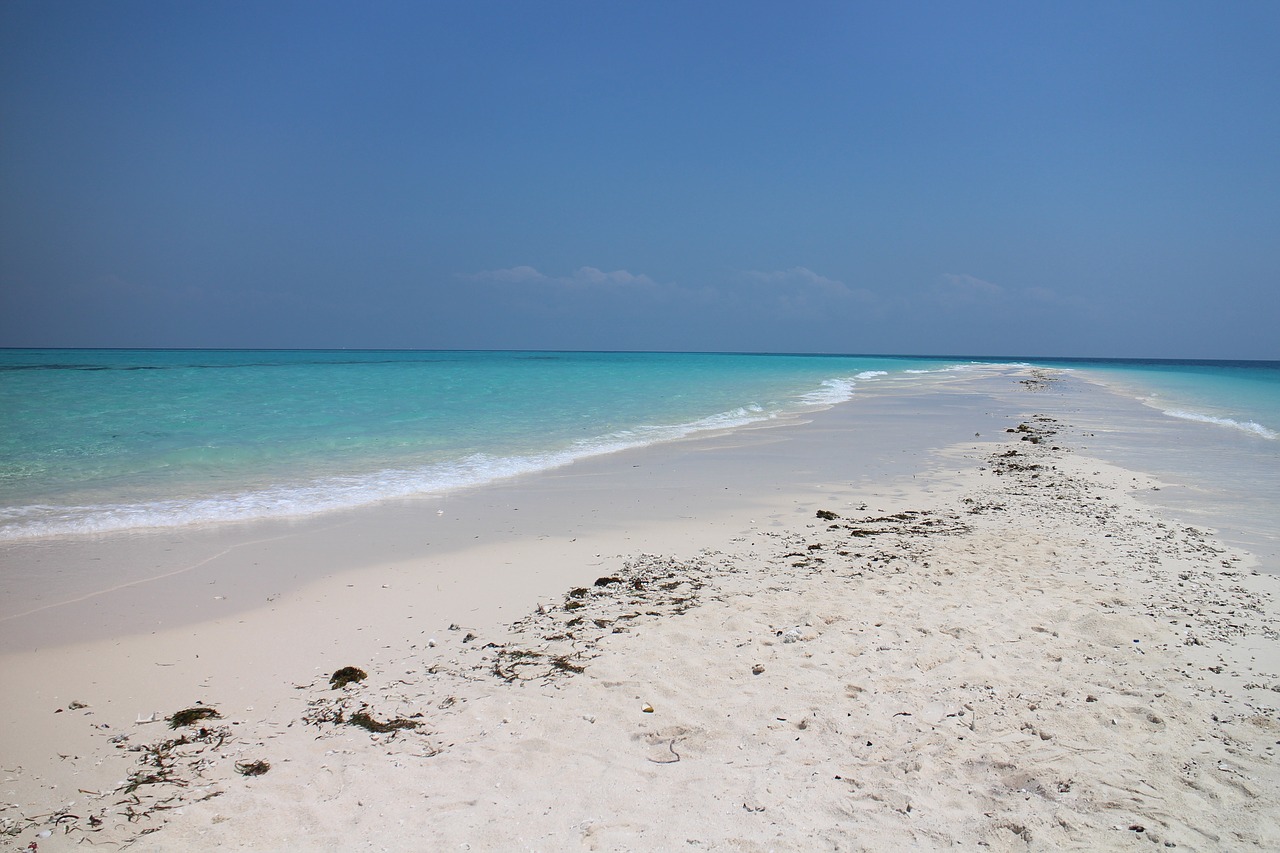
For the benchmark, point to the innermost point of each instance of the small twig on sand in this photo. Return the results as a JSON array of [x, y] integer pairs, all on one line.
[[671, 745]]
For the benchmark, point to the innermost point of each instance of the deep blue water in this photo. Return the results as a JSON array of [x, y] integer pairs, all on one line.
[[94, 441]]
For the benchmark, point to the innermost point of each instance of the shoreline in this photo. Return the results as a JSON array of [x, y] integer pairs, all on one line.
[[45, 575], [751, 568], [692, 480]]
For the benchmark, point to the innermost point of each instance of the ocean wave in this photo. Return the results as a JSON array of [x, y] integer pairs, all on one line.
[[330, 494], [323, 495], [1245, 426], [951, 368], [830, 392], [740, 416]]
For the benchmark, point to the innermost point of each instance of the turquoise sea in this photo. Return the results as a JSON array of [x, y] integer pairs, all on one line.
[[1239, 395], [97, 441]]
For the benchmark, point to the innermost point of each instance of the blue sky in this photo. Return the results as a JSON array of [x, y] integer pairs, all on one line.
[[1076, 179]]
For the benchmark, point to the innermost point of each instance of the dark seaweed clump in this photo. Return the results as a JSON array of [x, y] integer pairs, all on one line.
[[365, 721], [347, 675], [252, 768], [191, 716]]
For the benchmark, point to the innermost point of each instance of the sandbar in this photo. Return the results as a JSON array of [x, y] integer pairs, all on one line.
[[944, 616]]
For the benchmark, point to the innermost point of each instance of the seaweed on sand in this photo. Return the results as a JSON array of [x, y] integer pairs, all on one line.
[[562, 663], [347, 675], [367, 722], [191, 716], [159, 762]]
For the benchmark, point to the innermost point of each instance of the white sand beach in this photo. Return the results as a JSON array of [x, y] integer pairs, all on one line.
[[917, 622]]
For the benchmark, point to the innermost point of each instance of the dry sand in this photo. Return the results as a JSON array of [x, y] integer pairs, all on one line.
[[1005, 649]]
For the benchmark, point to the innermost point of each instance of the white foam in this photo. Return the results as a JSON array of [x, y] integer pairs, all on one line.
[[1245, 426], [953, 368], [343, 492], [831, 392], [319, 496]]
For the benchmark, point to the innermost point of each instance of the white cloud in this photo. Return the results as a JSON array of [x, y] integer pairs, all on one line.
[[583, 277], [512, 275], [798, 276], [800, 289], [955, 290], [1043, 294], [617, 278], [966, 288]]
